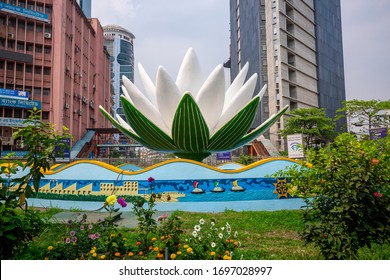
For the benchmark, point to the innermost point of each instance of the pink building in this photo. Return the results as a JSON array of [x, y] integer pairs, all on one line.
[[51, 57]]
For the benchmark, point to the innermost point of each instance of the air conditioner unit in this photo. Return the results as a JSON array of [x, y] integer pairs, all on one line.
[[91, 104], [85, 100], [66, 106], [11, 35], [47, 35]]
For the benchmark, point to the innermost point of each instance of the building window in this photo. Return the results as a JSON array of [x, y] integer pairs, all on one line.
[[28, 68], [46, 71], [38, 48], [29, 47], [45, 115], [19, 67], [30, 26], [46, 91], [38, 69], [37, 92], [10, 65], [47, 50], [39, 27]]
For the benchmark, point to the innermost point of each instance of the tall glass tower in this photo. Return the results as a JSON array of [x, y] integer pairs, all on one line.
[[296, 48], [119, 44], [85, 5]]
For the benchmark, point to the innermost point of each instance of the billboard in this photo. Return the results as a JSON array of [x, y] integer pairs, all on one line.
[[224, 156], [11, 93], [295, 146], [4, 7], [20, 103]]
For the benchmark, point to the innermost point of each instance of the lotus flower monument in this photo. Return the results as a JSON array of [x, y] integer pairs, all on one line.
[[191, 118]]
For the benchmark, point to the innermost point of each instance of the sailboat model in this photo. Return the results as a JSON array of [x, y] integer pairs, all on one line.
[[197, 190], [236, 187], [217, 188]]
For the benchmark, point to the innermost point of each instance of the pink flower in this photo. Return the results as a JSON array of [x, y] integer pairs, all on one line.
[[122, 202], [150, 180], [378, 195], [162, 217], [72, 233]]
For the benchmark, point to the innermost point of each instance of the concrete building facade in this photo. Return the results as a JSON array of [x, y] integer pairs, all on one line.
[[119, 44], [296, 48], [53, 56]]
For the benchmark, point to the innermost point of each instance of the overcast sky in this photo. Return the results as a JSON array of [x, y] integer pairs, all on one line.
[[164, 30]]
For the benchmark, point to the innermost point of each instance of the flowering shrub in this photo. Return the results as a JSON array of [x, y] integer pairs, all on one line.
[[210, 242]]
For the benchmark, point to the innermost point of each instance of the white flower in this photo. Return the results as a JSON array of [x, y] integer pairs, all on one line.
[[201, 221], [235, 234], [195, 233], [197, 227], [220, 235], [213, 244], [212, 224]]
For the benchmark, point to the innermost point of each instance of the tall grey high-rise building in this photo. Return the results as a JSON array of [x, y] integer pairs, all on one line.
[[296, 48], [119, 44]]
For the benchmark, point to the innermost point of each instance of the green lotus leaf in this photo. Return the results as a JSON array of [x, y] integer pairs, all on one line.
[[121, 127], [260, 129], [234, 129], [189, 129], [148, 131]]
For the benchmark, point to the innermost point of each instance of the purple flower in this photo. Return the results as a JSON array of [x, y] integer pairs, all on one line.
[[72, 233], [81, 227], [67, 240], [90, 226], [97, 235], [122, 202], [150, 180], [74, 239], [92, 236]]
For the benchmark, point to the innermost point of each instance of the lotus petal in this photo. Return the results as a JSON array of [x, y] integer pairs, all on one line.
[[189, 77], [211, 96], [168, 96], [260, 129], [148, 131], [150, 89], [238, 102], [125, 130], [236, 84], [232, 131], [144, 105], [189, 130]]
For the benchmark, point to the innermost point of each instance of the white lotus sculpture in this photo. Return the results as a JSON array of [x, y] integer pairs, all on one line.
[[191, 118]]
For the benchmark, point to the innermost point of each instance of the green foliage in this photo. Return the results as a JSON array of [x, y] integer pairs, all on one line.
[[40, 139], [17, 228], [312, 123], [347, 190], [365, 114], [245, 160]]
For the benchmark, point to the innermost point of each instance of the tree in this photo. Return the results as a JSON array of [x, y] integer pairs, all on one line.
[[363, 115], [312, 123]]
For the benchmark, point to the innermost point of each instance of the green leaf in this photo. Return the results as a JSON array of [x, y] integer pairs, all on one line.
[[189, 129], [234, 129], [260, 129], [153, 137]]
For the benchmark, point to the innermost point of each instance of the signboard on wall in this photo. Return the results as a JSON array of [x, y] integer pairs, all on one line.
[[63, 153], [23, 12], [377, 133], [20, 103], [11, 93], [12, 122], [224, 156], [295, 146]]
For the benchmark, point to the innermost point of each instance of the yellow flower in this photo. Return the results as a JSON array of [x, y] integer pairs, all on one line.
[[140, 253], [94, 255], [154, 239], [185, 246], [117, 254], [92, 251], [138, 243], [124, 239], [111, 200], [212, 253], [227, 253], [50, 248], [173, 256], [112, 234], [231, 240], [189, 250], [46, 258], [160, 256], [236, 244], [226, 257], [131, 254], [150, 248], [162, 238], [102, 257], [178, 252], [156, 249]]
